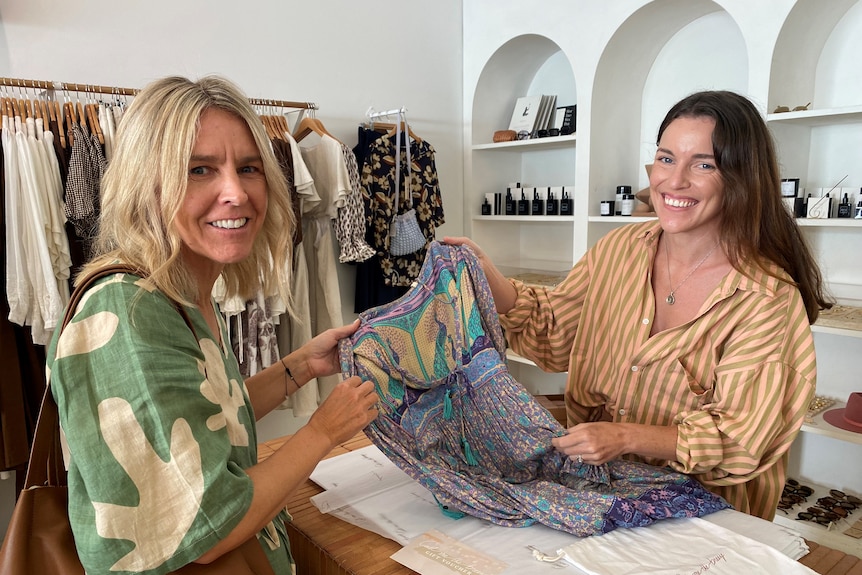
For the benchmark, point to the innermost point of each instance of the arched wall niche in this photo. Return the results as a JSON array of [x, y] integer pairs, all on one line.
[[510, 73], [798, 50], [619, 130]]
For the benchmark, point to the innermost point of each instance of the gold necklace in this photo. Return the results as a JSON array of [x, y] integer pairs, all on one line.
[[670, 299]]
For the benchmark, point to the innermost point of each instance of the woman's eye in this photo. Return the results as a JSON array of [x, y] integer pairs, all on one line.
[[198, 170]]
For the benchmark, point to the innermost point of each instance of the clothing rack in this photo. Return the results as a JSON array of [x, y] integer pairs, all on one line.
[[95, 89], [371, 114]]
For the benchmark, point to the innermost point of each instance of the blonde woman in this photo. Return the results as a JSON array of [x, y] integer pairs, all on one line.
[[163, 466]]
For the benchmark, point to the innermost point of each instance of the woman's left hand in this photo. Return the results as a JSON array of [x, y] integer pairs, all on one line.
[[594, 443]]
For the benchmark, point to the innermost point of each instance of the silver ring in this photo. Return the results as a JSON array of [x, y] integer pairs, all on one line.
[[580, 459]]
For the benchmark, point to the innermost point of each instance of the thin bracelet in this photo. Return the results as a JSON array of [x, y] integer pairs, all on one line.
[[286, 375]]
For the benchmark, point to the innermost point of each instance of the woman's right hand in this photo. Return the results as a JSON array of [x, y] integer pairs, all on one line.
[[350, 407], [501, 289], [463, 241]]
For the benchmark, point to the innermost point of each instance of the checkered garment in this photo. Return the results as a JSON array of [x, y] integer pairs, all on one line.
[[454, 419]]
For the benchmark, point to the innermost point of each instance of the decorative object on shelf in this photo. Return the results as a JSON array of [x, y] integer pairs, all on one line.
[[618, 199], [789, 187], [523, 205], [552, 205], [511, 206], [848, 418], [607, 207], [532, 114], [782, 109], [567, 117], [505, 136], [539, 279], [842, 317], [845, 208], [820, 208], [628, 203], [817, 404], [537, 206], [567, 207]]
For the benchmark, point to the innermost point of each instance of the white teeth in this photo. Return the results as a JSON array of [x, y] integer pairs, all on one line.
[[230, 224], [679, 203]]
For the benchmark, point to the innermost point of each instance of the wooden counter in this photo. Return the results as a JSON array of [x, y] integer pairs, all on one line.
[[325, 545]]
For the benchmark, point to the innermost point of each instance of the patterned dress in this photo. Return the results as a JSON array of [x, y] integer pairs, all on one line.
[[454, 419], [160, 431]]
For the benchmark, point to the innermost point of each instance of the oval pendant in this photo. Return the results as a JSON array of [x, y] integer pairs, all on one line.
[[670, 299]]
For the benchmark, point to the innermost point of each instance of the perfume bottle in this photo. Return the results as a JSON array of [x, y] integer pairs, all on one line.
[[845, 208], [511, 208], [538, 204], [523, 205], [628, 204], [486, 208], [566, 204], [552, 205], [618, 199]]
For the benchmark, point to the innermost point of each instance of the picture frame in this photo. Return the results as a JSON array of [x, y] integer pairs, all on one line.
[[789, 187]]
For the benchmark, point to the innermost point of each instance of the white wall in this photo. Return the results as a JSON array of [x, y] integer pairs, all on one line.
[[345, 56]]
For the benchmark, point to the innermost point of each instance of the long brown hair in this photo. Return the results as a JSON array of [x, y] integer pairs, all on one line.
[[755, 224]]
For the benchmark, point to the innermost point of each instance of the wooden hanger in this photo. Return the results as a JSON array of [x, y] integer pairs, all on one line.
[[389, 129], [93, 112], [281, 124], [311, 125]]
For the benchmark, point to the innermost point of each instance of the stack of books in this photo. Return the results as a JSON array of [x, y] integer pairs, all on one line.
[[538, 116]]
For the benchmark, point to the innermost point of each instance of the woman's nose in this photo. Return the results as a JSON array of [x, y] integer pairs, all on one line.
[[233, 191]]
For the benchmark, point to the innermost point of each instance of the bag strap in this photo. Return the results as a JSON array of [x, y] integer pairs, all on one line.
[[46, 456], [402, 118]]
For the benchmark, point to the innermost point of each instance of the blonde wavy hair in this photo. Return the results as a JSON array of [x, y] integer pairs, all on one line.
[[145, 185]]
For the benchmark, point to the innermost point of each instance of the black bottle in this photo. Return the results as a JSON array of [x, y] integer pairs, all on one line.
[[538, 204], [566, 204], [523, 205], [802, 207], [845, 208], [511, 208], [486, 208], [552, 205]]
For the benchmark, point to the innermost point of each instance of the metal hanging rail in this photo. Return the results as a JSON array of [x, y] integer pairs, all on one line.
[[95, 89]]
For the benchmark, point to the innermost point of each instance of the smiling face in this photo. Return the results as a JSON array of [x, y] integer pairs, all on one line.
[[226, 198], [686, 187]]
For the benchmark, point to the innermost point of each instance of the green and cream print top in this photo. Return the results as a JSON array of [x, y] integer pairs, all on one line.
[[160, 430]]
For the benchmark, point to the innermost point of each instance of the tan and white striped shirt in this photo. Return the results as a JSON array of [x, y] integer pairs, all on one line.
[[736, 380]]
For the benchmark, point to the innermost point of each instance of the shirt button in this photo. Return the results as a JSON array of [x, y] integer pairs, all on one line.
[[645, 321], [622, 412], [634, 368]]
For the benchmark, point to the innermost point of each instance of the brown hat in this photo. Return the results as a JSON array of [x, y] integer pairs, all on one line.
[[848, 418]]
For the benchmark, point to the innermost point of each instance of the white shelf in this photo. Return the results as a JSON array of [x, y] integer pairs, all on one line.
[[824, 117], [620, 219], [512, 356], [819, 426], [830, 223], [836, 330], [536, 143], [830, 537], [534, 219]]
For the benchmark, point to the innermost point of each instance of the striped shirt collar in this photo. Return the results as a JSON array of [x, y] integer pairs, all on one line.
[[749, 277]]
